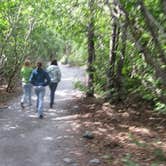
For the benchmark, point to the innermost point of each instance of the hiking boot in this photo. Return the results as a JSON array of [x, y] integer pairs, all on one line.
[[51, 105], [41, 117], [22, 105]]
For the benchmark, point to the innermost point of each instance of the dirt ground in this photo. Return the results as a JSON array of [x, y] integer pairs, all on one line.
[[127, 136], [5, 97], [123, 135], [26, 140]]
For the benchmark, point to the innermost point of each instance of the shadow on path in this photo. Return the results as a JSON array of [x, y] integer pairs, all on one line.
[[26, 140]]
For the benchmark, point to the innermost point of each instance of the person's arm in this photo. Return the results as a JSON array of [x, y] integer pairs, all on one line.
[[47, 79], [48, 69], [59, 75], [32, 78]]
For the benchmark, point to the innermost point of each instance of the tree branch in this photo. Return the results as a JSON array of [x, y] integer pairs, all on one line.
[[150, 23]]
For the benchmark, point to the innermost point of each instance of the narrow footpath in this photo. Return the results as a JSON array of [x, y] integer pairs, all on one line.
[[26, 140]]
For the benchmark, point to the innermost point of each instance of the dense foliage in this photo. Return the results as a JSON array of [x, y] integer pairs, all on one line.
[[121, 42]]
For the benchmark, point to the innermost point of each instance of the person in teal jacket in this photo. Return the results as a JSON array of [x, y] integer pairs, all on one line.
[[26, 71]]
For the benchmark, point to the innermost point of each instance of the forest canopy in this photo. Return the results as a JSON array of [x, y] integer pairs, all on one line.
[[122, 43]]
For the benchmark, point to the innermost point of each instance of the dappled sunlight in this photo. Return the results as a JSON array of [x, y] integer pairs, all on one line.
[[141, 131], [48, 138], [102, 130], [87, 115], [88, 123], [70, 117], [124, 126], [53, 119], [54, 134], [76, 153], [110, 114], [65, 99], [12, 127], [67, 79], [69, 130], [32, 116], [63, 93], [115, 130], [9, 127], [51, 114], [122, 137], [98, 133], [66, 93], [76, 127], [98, 123], [34, 97], [59, 137], [51, 110]]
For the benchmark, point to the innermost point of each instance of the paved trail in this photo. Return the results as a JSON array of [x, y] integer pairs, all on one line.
[[26, 140]]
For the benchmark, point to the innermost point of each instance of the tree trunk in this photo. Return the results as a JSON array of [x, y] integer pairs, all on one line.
[[163, 2], [153, 30], [160, 73], [113, 49], [91, 51], [14, 71], [121, 61]]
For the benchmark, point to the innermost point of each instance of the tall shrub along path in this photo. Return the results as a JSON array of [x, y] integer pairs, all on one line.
[[26, 140]]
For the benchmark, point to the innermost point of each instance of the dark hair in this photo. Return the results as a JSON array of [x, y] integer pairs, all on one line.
[[39, 64], [54, 62]]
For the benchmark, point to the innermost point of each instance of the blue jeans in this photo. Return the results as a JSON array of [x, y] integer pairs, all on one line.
[[27, 88], [40, 92], [52, 87]]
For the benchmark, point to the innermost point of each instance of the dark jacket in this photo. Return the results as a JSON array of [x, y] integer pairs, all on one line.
[[39, 77]]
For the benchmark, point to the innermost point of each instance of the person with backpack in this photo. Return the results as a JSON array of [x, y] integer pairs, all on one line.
[[55, 76], [26, 71], [39, 79]]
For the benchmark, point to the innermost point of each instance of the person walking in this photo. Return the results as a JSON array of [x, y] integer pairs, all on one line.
[[55, 76], [39, 79], [26, 71]]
